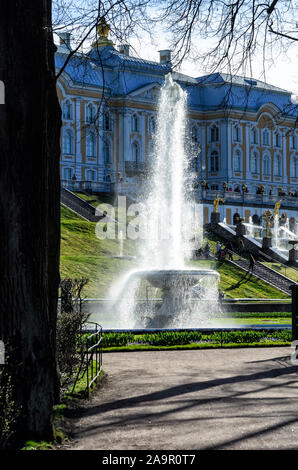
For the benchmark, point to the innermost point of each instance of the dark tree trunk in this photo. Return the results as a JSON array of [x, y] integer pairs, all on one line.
[[30, 123]]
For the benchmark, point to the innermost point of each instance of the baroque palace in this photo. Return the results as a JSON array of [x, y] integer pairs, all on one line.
[[241, 132]]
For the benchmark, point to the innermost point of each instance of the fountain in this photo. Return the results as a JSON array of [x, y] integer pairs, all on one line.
[[182, 294]]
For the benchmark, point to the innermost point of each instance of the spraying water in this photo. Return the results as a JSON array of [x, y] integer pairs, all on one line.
[[166, 203], [173, 225]]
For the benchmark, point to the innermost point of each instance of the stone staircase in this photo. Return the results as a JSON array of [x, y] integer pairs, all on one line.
[[79, 206], [267, 274]]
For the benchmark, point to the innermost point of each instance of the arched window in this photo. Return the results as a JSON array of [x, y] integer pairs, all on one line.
[[294, 166], [254, 135], [107, 152], [237, 160], [134, 123], [293, 141], [90, 113], [236, 133], [107, 124], [214, 161], [67, 110], [277, 165], [151, 125], [266, 165], [90, 144], [265, 137], [214, 134], [90, 175], [135, 152], [150, 150], [67, 173], [68, 142], [255, 163], [194, 135], [277, 139]]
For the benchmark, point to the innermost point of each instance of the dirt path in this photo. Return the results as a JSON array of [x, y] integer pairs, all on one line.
[[208, 399]]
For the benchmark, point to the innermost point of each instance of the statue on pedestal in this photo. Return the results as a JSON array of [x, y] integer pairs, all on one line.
[[216, 202], [276, 208], [267, 217]]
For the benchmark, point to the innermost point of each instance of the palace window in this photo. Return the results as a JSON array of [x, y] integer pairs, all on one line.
[[265, 137], [107, 152], [67, 110], [90, 175], [277, 165], [293, 141], [67, 142], [255, 162], [237, 160], [294, 167], [266, 165], [214, 134], [90, 113], [135, 152], [67, 173], [214, 161], [151, 125], [236, 133], [107, 124], [254, 135], [91, 145], [134, 123], [194, 135], [277, 139]]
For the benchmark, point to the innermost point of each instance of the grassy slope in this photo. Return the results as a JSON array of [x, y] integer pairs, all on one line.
[[83, 255], [287, 271]]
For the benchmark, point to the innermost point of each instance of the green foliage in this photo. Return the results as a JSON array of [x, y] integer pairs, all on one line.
[[249, 336], [171, 338], [8, 409], [113, 339], [70, 322], [260, 315]]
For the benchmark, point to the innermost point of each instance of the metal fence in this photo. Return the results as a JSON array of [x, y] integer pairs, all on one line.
[[90, 350]]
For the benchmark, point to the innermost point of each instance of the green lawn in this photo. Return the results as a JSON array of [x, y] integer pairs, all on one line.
[[287, 271], [84, 255]]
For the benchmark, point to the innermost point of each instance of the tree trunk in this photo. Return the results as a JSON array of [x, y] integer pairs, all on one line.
[[30, 122]]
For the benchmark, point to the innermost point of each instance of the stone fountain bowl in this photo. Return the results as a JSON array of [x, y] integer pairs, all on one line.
[[169, 278]]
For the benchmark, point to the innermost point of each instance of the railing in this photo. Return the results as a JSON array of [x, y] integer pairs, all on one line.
[[137, 167], [93, 186], [262, 199], [90, 350]]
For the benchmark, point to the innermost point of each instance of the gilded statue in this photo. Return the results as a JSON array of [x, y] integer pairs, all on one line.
[[267, 216], [216, 202], [276, 209]]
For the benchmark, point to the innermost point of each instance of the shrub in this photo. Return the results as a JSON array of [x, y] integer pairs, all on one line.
[[70, 321]]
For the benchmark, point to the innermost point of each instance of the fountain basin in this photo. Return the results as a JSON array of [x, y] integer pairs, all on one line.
[[179, 278], [177, 290]]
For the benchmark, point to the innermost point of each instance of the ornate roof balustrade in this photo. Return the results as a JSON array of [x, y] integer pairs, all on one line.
[[246, 198]]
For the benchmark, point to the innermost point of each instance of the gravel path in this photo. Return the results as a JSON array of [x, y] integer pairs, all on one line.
[[204, 399]]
